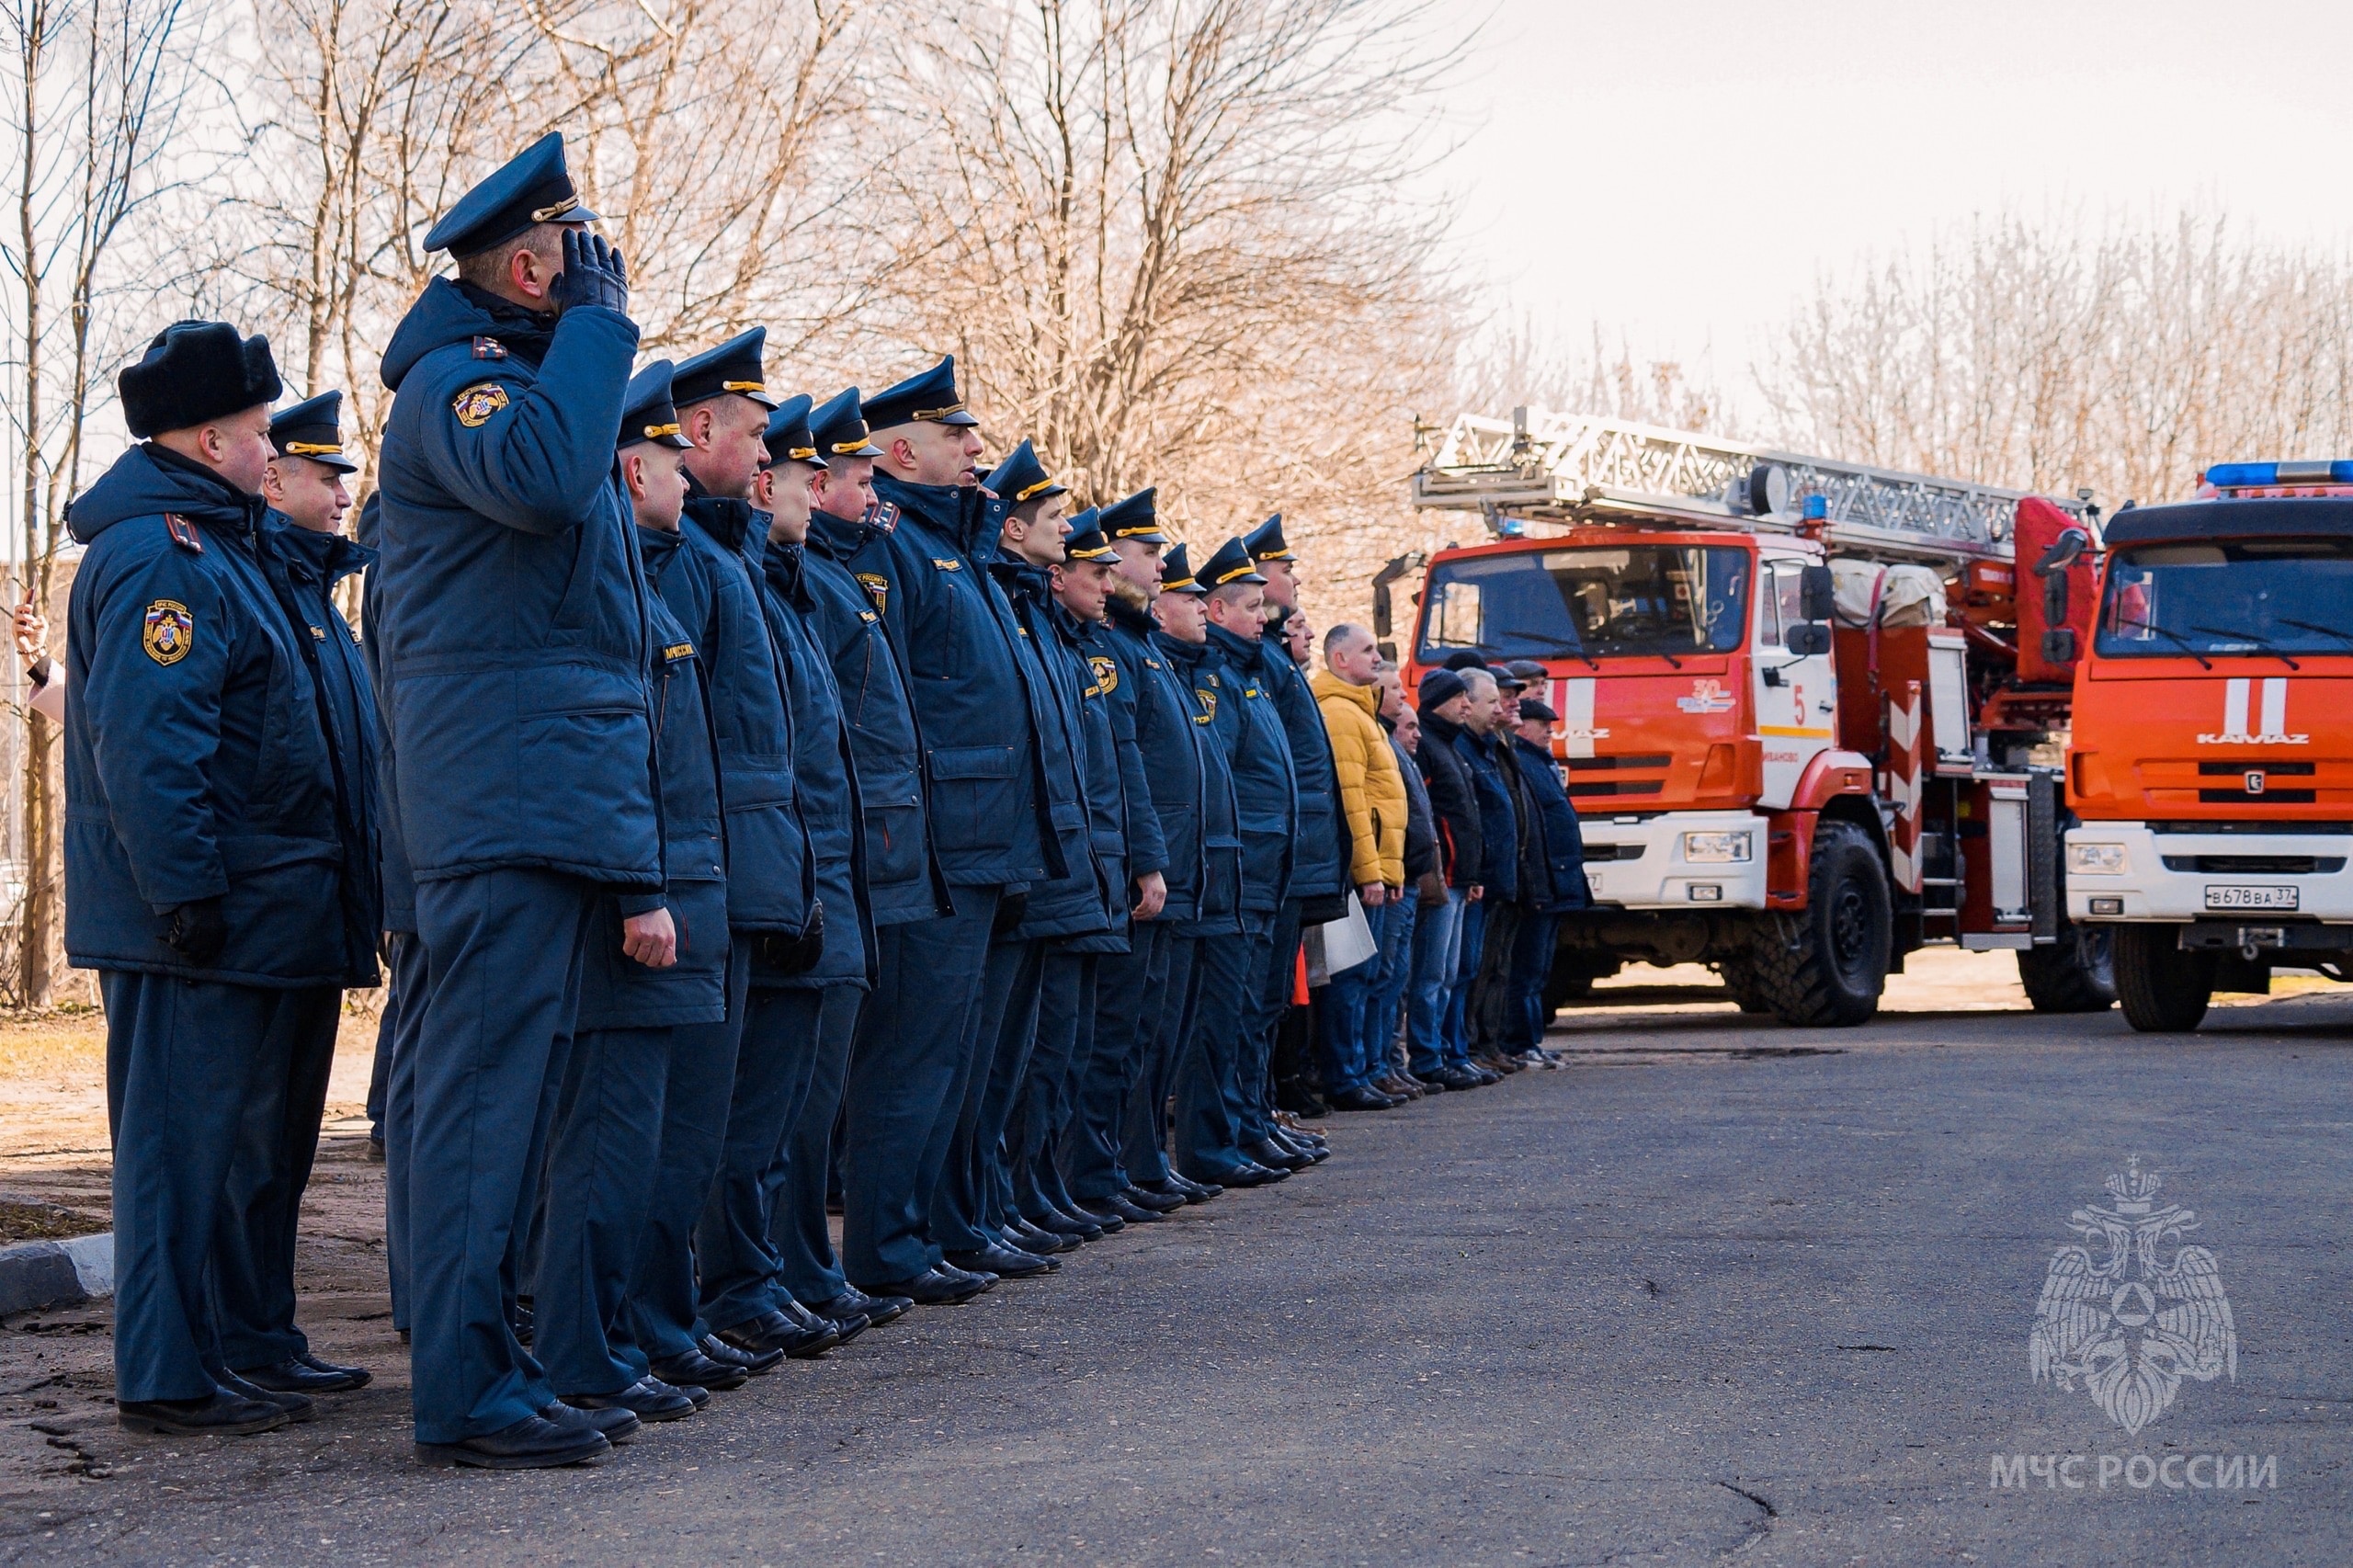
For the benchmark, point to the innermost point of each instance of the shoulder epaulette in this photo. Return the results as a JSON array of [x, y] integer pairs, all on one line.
[[183, 532], [884, 515], [489, 348]]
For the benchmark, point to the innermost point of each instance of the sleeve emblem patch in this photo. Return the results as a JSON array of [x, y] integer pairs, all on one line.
[[1208, 715], [474, 405], [1107, 672], [677, 651], [169, 632], [877, 587]]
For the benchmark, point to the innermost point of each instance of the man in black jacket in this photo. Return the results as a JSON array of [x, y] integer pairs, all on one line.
[[1437, 935], [1425, 883]]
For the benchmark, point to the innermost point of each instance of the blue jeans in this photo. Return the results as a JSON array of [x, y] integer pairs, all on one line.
[[1472, 948], [1386, 991], [1438, 953], [1339, 1017]]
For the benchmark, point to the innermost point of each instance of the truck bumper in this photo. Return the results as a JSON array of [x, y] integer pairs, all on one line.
[[1640, 864], [2245, 877]]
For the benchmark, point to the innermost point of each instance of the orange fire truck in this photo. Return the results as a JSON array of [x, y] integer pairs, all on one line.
[[1809, 722], [2212, 727]]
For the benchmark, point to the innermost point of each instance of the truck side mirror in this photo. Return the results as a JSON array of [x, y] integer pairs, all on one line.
[[1807, 637], [1817, 594], [2052, 569], [2059, 643]]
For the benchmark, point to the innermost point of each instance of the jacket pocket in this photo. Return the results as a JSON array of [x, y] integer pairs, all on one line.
[[894, 846], [974, 793]]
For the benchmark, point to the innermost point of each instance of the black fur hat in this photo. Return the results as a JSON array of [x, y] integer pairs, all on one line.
[[196, 370]]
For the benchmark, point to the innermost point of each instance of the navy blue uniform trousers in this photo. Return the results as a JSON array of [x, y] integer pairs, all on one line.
[[696, 1100], [915, 1048], [1229, 975], [973, 1184], [1255, 1108], [404, 994], [1129, 990], [607, 1138], [1143, 1136], [1065, 1033], [806, 1268], [184, 1060], [773, 1070], [277, 1141], [504, 950]]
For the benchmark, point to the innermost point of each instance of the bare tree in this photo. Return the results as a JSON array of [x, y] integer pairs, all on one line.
[[95, 97], [1517, 363]]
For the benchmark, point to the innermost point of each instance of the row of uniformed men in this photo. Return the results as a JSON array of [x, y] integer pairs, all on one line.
[[769, 776]]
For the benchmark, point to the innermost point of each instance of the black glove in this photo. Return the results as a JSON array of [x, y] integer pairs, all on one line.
[[594, 274], [1010, 909], [780, 952], [197, 931]]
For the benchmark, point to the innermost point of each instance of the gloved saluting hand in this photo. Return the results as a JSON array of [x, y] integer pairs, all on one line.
[[594, 274]]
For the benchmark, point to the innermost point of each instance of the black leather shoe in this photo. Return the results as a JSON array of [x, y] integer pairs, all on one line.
[[932, 1288], [695, 1369], [1364, 1096], [1458, 1077], [757, 1364], [1062, 1224], [773, 1330], [530, 1444], [523, 1325], [219, 1414], [298, 1406], [305, 1374], [1276, 1156], [855, 1302], [1433, 1083], [648, 1399], [1192, 1191], [1004, 1262], [1253, 1175], [1024, 1236], [1105, 1211], [1158, 1202], [844, 1329], [614, 1424]]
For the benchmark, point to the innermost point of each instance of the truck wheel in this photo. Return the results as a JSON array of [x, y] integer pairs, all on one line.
[[2165, 989], [2074, 974], [1828, 965], [1740, 981], [1572, 973]]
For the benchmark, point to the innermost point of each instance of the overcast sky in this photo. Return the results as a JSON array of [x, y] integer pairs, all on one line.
[[1681, 169]]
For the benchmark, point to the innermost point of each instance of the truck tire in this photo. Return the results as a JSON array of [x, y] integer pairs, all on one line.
[[2074, 974], [2163, 988], [1572, 973], [1740, 982], [1826, 966]]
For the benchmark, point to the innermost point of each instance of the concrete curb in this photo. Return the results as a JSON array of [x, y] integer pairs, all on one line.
[[36, 1275]]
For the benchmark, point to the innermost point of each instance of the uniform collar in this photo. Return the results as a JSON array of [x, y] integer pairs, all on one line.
[[331, 556], [724, 519], [837, 539], [784, 565]]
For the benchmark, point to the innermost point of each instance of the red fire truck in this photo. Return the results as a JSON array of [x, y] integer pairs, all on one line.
[[1809, 722]]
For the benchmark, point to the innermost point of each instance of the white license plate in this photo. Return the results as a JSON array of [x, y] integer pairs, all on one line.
[[2250, 898]]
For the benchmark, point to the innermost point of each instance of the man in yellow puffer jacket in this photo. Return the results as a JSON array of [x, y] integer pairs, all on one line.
[[1373, 802]]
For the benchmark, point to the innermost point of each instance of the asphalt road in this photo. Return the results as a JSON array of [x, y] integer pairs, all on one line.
[[1713, 1290]]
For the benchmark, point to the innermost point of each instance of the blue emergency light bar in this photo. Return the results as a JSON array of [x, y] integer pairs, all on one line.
[[2244, 476]]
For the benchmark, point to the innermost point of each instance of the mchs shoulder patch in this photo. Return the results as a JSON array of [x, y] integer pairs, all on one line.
[[168, 631], [877, 587], [476, 405]]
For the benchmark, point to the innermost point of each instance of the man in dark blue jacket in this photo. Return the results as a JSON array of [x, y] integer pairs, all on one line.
[[727, 1090], [518, 657], [925, 563], [304, 555], [901, 880], [203, 851], [607, 1134], [1479, 748], [1149, 712], [1223, 1128], [1551, 876], [1031, 984], [1318, 888], [809, 1007]]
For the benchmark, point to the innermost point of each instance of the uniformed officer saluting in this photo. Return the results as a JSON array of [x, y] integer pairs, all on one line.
[[202, 861], [517, 654], [303, 555]]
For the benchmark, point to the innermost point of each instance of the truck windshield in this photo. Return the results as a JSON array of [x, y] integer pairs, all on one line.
[[2242, 596], [1637, 599]]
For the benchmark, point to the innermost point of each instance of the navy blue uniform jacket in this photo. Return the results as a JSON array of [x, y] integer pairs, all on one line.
[[1077, 902], [1498, 822], [196, 764], [716, 593], [903, 876], [1556, 842], [1151, 710], [616, 991], [515, 629], [396, 887], [825, 778], [304, 568], [1113, 774], [1266, 779], [976, 702], [1320, 866], [1195, 670]]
